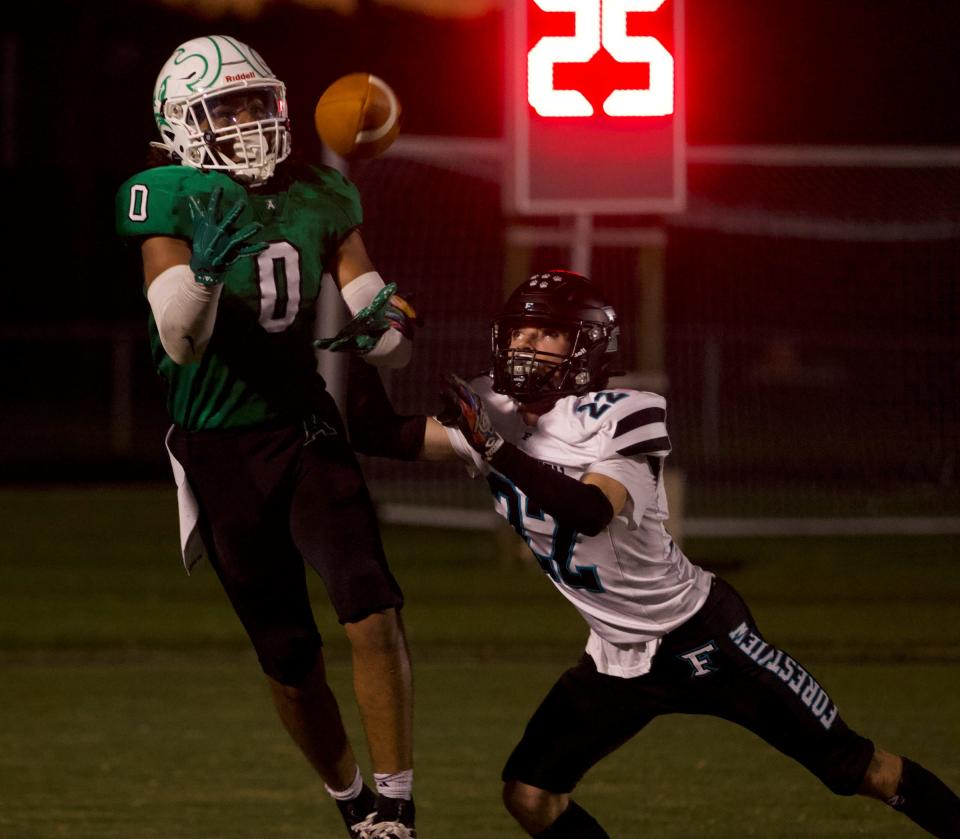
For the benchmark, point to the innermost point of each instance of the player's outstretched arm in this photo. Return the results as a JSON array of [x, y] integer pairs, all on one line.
[[363, 333], [377, 429], [587, 505], [383, 322], [436, 443]]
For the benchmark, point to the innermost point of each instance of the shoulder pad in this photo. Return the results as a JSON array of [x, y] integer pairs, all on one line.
[[336, 188], [154, 202], [482, 383], [628, 422]]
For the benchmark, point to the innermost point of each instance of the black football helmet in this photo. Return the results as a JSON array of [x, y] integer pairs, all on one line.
[[572, 304]]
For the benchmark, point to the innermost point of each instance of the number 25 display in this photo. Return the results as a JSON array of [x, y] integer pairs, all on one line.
[[595, 118]]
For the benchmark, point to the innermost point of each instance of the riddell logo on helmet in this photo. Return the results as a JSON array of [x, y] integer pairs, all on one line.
[[240, 77]]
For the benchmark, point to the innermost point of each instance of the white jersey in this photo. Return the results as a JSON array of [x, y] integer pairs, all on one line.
[[631, 582]]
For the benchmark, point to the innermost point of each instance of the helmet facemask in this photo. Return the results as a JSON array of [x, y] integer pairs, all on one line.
[[242, 130], [530, 375]]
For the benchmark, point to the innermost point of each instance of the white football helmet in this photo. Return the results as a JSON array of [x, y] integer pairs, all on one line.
[[218, 106]]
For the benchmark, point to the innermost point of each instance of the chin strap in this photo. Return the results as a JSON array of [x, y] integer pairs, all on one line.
[[249, 147], [540, 406]]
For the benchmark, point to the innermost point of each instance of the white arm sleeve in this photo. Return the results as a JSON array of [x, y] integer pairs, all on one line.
[[393, 349], [185, 311], [475, 464]]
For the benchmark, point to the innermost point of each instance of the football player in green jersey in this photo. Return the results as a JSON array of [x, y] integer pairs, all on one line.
[[234, 246]]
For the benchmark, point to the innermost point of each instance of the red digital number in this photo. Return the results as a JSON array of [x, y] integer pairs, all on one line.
[[600, 23]]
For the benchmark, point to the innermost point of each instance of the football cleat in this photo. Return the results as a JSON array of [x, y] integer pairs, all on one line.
[[393, 820], [391, 830], [362, 829], [358, 813]]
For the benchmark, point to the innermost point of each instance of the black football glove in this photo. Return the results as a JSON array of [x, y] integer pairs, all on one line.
[[464, 410], [214, 248]]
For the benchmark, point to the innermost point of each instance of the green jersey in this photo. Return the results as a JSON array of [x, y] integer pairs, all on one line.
[[259, 366]]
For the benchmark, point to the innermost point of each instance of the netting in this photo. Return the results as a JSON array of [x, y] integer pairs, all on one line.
[[809, 329], [810, 321]]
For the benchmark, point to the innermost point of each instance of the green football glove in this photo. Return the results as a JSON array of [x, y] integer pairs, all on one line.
[[360, 335], [214, 248]]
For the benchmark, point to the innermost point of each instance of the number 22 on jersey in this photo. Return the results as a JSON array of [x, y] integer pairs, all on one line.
[[557, 562]]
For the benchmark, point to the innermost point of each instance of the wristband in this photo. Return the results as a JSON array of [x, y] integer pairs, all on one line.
[[360, 291], [392, 349]]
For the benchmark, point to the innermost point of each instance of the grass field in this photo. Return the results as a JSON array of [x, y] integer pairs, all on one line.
[[130, 705]]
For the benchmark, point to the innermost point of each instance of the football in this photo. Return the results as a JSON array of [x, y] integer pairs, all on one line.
[[358, 116]]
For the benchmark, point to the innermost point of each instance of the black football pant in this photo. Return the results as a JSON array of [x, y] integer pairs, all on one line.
[[270, 499], [716, 663]]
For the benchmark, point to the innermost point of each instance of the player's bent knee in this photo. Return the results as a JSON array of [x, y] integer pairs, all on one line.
[[289, 660], [380, 631], [518, 800], [532, 807]]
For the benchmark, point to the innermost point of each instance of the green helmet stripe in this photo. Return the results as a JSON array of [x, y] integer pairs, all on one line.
[[250, 56], [158, 99], [216, 46], [182, 56]]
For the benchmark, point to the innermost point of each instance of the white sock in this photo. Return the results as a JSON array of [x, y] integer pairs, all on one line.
[[350, 792], [395, 784]]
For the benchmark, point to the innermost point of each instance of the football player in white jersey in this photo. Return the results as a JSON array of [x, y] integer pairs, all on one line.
[[576, 467]]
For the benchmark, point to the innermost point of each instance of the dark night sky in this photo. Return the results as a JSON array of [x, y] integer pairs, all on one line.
[[758, 71], [78, 80], [841, 71]]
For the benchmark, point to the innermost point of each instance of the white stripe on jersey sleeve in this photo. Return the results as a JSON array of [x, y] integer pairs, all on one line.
[[636, 426]]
